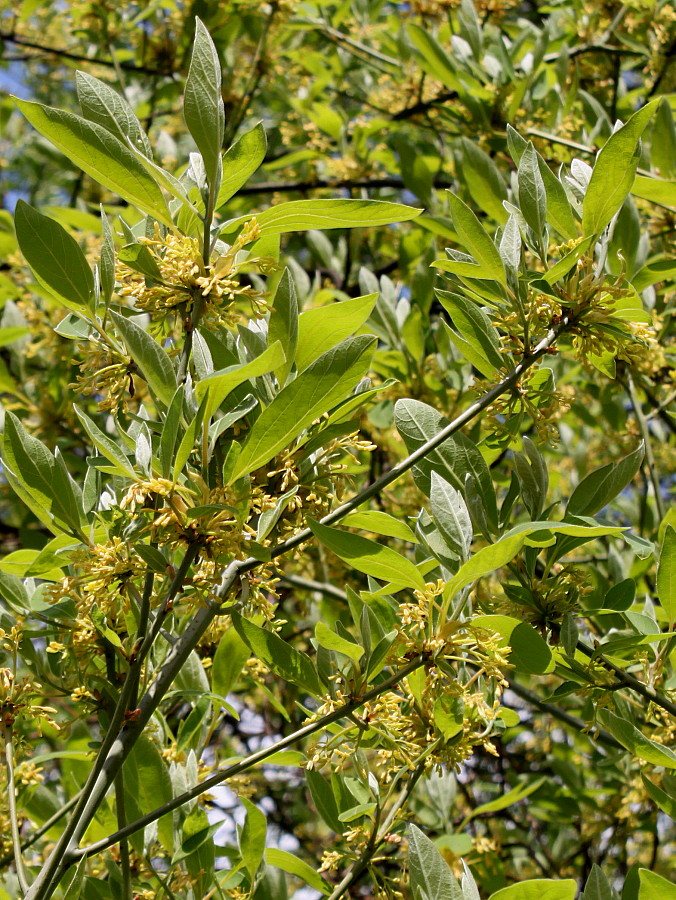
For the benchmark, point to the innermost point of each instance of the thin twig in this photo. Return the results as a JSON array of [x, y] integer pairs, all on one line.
[[315, 184], [12, 38], [649, 455], [260, 756], [379, 837], [603, 736], [125, 862], [8, 748], [308, 584], [253, 80], [646, 691]]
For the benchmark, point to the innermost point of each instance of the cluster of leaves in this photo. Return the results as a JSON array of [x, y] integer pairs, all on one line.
[[322, 511]]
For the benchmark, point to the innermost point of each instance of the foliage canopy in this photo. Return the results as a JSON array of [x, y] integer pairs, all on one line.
[[337, 379]]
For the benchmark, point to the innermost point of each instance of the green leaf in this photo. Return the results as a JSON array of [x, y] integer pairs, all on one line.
[[569, 634], [475, 238], [104, 106], [368, 557], [655, 887], [332, 641], [283, 323], [636, 742], [483, 562], [107, 260], [292, 665], [99, 154], [54, 256], [106, 445], [171, 430], [380, 523], [197, 851], [152, 359], [13, 592], [559, 212], [655, 190], [229, 659], [512, 796], [433, 58], [660, 270], [67, 503], [601, 486], [324, 799], [138, 256], [538, 889], [223, 382], [566, 263], [532, 194], [240, 162], [322, 327], [74, 883], [474, 335], [303, 215], [187, 445], [287, 862], [453, 459], [203, 108], [529, 652], [326, 382], [252, 837], [431, 877], [510, 246], [597, 886], [151, 787], [13, 333], [451, 515], [30, 460], [614, 170], [666, 574], [483, 179]]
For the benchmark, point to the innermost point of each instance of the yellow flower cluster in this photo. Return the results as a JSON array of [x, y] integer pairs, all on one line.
[[436, 719], [186, 279]]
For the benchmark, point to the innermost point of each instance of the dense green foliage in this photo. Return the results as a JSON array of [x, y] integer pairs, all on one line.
[[337, 378]]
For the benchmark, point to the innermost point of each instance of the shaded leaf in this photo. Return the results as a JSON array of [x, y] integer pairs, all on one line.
[[54, 256], [601, 486], [635, 741], [292, 665], [666, 574], [152, 359]]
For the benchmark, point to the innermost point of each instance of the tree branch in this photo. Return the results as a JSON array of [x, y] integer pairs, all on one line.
[[271, 187], [644, 690], [13, 38], [222, 775], [603, 736]]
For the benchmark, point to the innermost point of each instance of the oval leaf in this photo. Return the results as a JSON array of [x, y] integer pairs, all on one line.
[[368, 557]]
